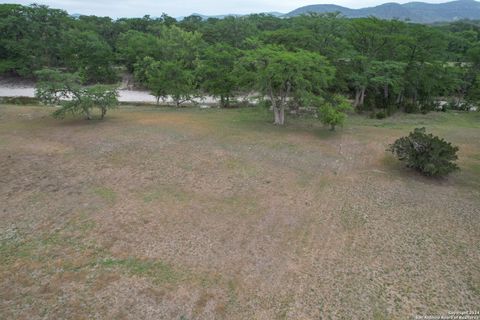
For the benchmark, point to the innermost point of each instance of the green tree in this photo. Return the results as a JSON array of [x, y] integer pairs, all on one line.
[[387, 77], [134, 46], [169, 79], [474, 92], [282, 75], [65, 91], [216, 72], [89, 55], [31, 38], [332, 112]]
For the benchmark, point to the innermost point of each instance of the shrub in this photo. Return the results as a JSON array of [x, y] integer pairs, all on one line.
[[333, 111], [430, 155], [380, 115]]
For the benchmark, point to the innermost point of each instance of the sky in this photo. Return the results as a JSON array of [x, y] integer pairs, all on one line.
[[177, 8]]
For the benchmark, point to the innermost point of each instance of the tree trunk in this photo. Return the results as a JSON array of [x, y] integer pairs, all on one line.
[[282, 114], [357, 98], [362, 96], [399, 98], [279, 112], [276, 112], [88, 116]]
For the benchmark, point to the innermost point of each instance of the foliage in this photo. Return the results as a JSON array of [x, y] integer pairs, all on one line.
[[65, 90], [171, 69], [282, 75], [430, 155], [379, 64], [89, 55], [134, 46], [380, 115], [167, 79], [333, 111], [216, 72], [474, 93]]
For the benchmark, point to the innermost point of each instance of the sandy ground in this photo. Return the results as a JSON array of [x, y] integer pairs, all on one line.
[[215, 214]]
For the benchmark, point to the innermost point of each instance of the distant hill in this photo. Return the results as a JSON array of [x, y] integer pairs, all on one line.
[[223, 16], [413, 11]]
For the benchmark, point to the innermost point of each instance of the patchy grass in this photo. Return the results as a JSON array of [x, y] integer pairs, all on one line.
[[165, 193], [106, 194], [162, 213], [157, 271]]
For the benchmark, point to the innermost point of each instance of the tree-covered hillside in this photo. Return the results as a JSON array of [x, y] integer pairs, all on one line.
[[413, 11]]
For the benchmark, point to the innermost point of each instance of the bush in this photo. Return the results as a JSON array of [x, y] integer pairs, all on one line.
[[380, 115], [430, 155], [333, 111]]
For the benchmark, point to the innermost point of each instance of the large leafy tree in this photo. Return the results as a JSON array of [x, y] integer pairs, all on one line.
[[31, 38], [282, 75], [216, 72], [170, 72], [169, 79], [89, 55], [134, 46]]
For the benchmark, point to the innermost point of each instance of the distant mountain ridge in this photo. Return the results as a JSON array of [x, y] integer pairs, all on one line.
[[223, 16], [414, 11]]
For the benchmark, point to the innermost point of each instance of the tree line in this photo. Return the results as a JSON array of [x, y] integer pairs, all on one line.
[[299, 62]]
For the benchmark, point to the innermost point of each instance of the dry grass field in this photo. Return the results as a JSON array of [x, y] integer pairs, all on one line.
[[157, 213]]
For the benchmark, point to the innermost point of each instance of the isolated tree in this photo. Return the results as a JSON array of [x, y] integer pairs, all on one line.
[[281, 75], [333, 110], [65, 91], [216, 72]]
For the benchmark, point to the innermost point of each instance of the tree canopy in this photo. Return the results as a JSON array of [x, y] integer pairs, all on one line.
[[378, 64]]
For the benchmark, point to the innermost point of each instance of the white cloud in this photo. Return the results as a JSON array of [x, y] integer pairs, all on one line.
[[175, 8]]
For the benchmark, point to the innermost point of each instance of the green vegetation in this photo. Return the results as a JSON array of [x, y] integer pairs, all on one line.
[[283, 75], [155, 270], [63, 89], [333, 112], [293, 63], [426, 153], [106, 194]]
